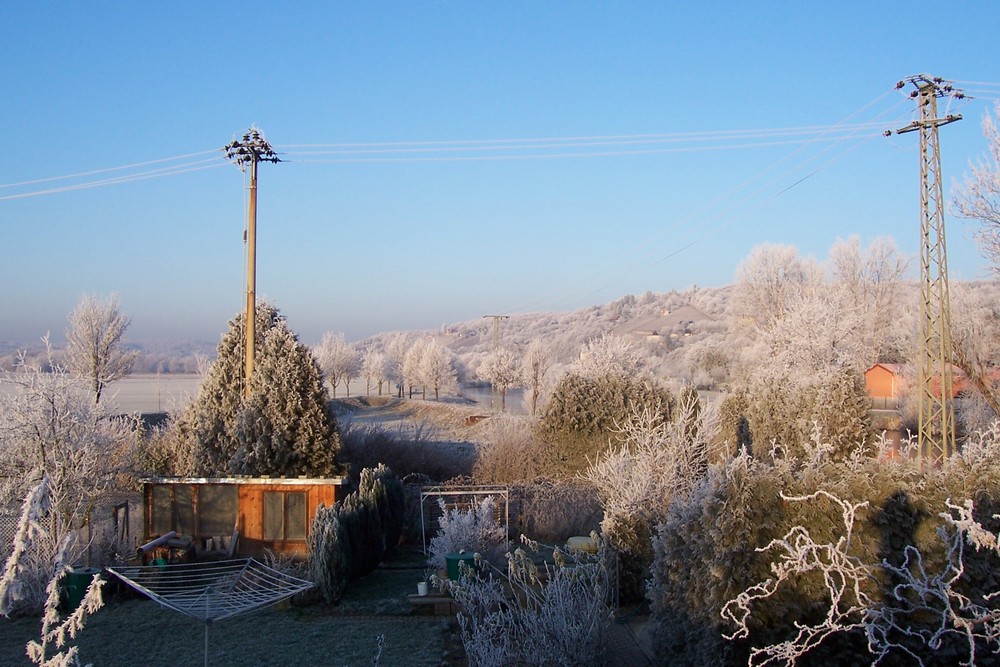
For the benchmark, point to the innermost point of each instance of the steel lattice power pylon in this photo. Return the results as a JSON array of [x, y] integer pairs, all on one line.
[[936, 436]]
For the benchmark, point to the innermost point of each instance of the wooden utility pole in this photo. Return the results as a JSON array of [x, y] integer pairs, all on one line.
[[936, 424], [252, 149]]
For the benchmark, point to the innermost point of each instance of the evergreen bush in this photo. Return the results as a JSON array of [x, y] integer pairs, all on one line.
[[711, 546], [350, 539], [583, 412]]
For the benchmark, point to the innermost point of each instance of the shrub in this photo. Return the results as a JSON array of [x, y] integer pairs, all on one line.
[[530, 615], [329, 555], [406, 452], [583, 412], [385, 491], [636, 480], [351, 538], [553, 510], [475, 530], [509, 451], [712, 546]]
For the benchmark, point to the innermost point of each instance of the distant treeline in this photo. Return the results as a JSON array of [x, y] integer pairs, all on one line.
[[154, 356]]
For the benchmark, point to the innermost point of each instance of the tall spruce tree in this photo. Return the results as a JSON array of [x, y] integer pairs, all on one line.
[[282, 428]]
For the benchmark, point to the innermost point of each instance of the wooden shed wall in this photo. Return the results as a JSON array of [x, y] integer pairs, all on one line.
[[250, 514], [251, 517]]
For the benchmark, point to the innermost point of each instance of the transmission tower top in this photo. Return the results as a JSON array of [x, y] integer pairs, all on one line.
[[941, 87], [926, 86]]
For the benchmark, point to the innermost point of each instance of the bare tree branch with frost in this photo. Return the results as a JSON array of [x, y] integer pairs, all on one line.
[[19, 580], [978, 197], [95, 343], [844, 577], [923, 610], [938, 596]]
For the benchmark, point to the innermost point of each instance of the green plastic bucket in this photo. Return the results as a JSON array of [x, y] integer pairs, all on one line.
[[453, 559], [75, 585]]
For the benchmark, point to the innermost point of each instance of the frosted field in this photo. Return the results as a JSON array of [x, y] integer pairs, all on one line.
[[153, 393], [144, 393]]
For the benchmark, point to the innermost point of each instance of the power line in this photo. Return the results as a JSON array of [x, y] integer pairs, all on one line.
[[108, 169], [649, 137], [589, 283], [155, 173]]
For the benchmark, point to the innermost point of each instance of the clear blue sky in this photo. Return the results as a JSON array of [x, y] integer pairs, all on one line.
[[539, 193]]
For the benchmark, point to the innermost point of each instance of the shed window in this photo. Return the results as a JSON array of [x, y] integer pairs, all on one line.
[[174, 509], [217, 509], [284, 515]]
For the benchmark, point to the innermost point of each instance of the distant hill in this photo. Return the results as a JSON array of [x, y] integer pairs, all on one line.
[[692, 314]]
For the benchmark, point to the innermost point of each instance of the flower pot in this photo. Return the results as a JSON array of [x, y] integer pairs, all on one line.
[[422, 588]]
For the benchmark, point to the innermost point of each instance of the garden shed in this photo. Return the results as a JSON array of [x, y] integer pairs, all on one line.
[[260, 513]]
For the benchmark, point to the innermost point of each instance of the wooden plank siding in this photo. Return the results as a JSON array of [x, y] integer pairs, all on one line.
[[250, 513]]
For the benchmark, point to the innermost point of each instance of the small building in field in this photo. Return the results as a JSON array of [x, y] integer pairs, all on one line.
[[884, 382], [260, 513]]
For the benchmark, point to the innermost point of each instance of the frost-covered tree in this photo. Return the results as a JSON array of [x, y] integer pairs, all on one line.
[[867, 282], [636, 479], [395, 360], [501, 369], [437, 367], [340, 362], [373, 367], [976, 341], [978, 197], [429, 365], [768, 280], [95, 343], [580, 419], [608, 355], [412, 368], [537, 361], [51, 429], [283, 428]]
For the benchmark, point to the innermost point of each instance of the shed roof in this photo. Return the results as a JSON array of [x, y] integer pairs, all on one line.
[[291, 481]]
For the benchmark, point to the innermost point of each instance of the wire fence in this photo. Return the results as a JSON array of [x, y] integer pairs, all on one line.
[[112, 532]]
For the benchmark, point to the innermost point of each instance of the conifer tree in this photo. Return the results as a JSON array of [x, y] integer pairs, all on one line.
[[283, 428]]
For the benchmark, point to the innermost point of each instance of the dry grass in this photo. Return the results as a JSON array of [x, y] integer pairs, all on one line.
[[410, 436]]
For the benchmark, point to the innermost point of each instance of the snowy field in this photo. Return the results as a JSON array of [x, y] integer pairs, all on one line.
[[143, 393]]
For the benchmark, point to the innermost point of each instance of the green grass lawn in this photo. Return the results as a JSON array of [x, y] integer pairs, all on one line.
[[134, 631]]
